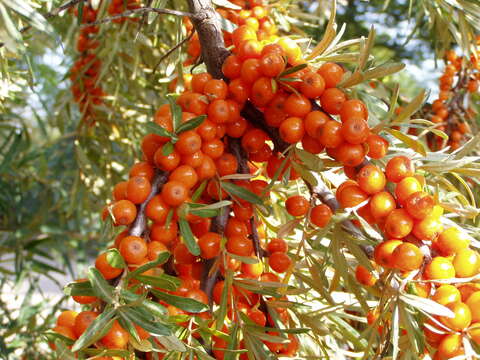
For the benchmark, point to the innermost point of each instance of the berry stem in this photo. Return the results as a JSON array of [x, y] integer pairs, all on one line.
[[140, 224]]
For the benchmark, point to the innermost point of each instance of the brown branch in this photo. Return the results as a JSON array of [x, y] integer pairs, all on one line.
[[206, 22], [51, 14], [207, 25], [138, 11], [170, 51], [140, 224]]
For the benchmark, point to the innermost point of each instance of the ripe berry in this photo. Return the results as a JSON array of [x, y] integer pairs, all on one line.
[[466, 263], [451, 241], [446, 294], [321, 215], [419, 205], [462, 318], [398, 168], [382, 204], [351, 196], [239, 245], [439, 268], [209, 244], [138, 189], [332, 100], [174, 193], [292, 130], [407, 257], [297, 105], [398, 224], [133, 249], [277, 245], [331, 73], [377, 146], [353, 109], [364, 276], [124, 212], [297, 205], [312, 85], [355, 130], [383, 253], [371, 179], [279, 262]]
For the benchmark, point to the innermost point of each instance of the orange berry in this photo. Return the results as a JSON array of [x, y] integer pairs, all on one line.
[[154, 249], [120, 191], [355, 130], [406, 187], [138, 189], [427, 229], [398, 224], [116, 337], [272, 64], [466, 263], [292, 130], [83, 299], [320, 215], [239, 245], [462, 318], [364, 276], [451, 241], [446, 294], [209, 244], [331, 73], [473, 302], [398, 168], [174, 193], [279, 262], [419, 205], [124, 212], [142, 169], [314, 122], [449, 346], [332, 100], [297, 105], [407, 257], [382, 204], [351, 196], [383, 252], [371, 179], [83, 321], [67, 318], [312, 85], [350, 154], [377, 146], [133, 249], [353, 109], [330, 134], [439, 268], [108, 271]]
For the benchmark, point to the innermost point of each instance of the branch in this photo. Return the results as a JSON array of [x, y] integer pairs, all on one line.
[[170, 51], [140, 224], [207, 24], [138, 11], [51, 14]]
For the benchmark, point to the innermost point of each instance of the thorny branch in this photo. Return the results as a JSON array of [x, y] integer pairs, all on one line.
[[142, 10]]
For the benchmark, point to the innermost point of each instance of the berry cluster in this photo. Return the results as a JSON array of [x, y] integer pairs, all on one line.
[[452, 110], [84, 73], [191, 207], [418, 247]]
